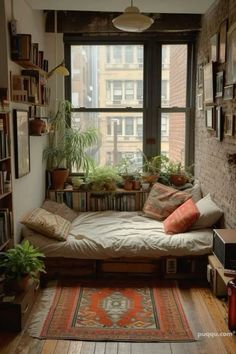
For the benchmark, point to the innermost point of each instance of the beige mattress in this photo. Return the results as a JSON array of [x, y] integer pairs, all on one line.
[[112, 234]]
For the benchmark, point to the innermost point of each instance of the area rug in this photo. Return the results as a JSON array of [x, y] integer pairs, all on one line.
[[111, 311]]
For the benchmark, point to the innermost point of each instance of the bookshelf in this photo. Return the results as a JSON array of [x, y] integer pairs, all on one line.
[[6, 229], [119, 200]]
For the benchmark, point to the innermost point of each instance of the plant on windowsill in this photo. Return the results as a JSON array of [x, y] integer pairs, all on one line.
[[67, 146], [179, 174], [20, 264], [128, 171], [153, 167], [104, 178]]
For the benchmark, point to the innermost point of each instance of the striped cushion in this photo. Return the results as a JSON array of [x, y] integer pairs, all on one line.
[[163, 200], [182, 218], [48, 224]]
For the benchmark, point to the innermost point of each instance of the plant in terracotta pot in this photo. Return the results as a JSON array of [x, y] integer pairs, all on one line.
[[178, 174], [128, 170], [152, 168], [67, 146], [20, 264]]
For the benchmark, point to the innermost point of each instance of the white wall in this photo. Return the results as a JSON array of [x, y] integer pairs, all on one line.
[[29, 190]]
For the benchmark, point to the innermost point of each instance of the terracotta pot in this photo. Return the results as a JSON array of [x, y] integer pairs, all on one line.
[[18, 285], [128, 185], [59, 177], [150, 178], [178, 180], [136, 185], [36, 126]]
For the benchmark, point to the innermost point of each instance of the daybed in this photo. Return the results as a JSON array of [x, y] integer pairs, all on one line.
[[113, 241]]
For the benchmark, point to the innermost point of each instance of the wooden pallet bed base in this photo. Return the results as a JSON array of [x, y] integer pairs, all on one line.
[[166, 267]]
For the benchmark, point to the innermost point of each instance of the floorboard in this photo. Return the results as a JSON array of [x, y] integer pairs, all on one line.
[[205, 314]]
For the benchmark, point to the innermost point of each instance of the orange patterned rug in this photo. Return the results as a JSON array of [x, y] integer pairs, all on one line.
[[112, 311]]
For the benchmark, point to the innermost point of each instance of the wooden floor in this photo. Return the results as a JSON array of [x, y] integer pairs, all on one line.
[[205, 313]]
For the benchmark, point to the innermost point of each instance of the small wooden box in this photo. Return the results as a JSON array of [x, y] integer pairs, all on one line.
[[13, 315]]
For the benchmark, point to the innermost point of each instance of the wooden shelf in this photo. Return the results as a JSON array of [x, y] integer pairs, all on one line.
[[26, 64]]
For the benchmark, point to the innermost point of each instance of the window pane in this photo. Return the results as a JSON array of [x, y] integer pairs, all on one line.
[[174, 75], [99, 76], [173, 136], [119, 134]]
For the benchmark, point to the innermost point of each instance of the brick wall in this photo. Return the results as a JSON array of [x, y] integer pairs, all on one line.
[[216, 175]]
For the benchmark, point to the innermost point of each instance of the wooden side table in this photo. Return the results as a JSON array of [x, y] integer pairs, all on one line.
[[13, 314]]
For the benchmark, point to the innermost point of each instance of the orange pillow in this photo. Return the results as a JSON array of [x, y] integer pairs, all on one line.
[[182, 218], [163, 200]]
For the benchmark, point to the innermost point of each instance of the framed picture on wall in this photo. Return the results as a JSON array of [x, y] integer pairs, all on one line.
[[229, 124], [208, 83], [222, 41], [219, 83], [219, 123], [231, 55], [21, 142], [210, 117]]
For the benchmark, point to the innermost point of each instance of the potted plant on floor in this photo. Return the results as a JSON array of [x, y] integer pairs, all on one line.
[[20, 264], [67, 146]]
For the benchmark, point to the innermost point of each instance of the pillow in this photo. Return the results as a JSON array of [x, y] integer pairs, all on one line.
[[209, 213], [48, 224], [182, 218], [163, 200], [60, 209], [195, 192]]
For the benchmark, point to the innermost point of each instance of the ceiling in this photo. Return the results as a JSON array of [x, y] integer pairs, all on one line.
[[149, 6]]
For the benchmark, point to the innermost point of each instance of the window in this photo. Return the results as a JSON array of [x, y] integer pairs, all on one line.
[[128, 112]]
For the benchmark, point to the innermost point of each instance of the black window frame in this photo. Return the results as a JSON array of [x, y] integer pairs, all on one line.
[[151, 109]]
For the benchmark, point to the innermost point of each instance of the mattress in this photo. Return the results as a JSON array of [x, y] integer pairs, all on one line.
[[113, 234]]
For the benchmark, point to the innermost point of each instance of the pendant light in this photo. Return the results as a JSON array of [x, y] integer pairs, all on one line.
[[132, 20]]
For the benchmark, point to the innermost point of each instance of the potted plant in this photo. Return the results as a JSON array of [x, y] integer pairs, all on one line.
[[21, 263], [104, 178], [153, 167], [178, 174], [67, 145], [129, 171]]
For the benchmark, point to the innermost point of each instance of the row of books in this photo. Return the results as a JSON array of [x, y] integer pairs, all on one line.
[[88, 201], [23, 49], [30, 86], [4, 140], [5, 226], [5, 182]]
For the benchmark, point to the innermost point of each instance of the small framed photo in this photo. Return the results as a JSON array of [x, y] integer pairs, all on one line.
[[219, 83], [208, 83], [21, 142], [200, 75], [222, 41], [214, 47], [219, 123], [231, 57], [210, 117], [200, 101], [229, 124], [228, 92]]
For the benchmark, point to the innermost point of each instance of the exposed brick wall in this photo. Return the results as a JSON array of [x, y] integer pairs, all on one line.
[[216, 175]]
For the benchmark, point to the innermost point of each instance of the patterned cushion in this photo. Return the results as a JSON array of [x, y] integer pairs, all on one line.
[[48, 224], [182, 218], [60, 209], [163, 200]]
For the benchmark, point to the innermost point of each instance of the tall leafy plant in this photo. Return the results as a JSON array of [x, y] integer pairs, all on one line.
[[68, 145]]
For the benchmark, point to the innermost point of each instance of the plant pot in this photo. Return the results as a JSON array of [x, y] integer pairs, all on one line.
[[110, 186], [178, 179], [128, 185], [19, 284], [136, 185], [150, 178], [59, 177]]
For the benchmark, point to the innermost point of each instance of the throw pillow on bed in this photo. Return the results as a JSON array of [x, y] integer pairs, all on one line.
[[182, 218], [209, 213], [48, 224], [163, 200], [60, 209]]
